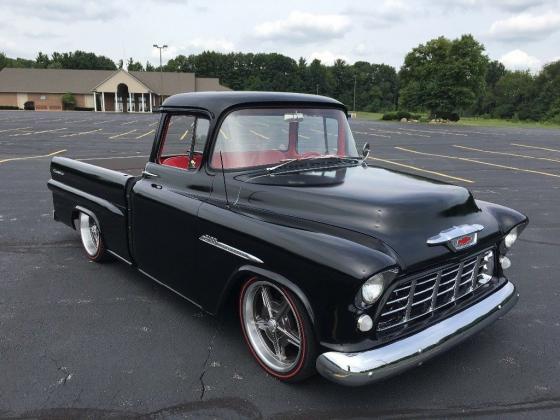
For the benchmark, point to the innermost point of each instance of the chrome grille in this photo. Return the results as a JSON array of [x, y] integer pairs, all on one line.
[[427, 293]]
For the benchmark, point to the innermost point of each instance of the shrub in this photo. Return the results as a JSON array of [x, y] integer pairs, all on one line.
[[68, 101], [444, 115], [389, 116], [399, 115], [10, 107], [29, 106], [82, 108]]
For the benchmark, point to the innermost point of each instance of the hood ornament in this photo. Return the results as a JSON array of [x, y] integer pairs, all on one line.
[[457, 237]]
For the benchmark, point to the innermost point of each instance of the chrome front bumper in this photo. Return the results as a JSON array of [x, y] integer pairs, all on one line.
[[365, 367]]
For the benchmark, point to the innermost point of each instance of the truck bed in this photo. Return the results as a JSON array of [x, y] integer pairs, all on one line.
[[80, 186]]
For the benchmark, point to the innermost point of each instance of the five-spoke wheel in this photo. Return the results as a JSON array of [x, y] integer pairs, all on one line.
[[91, 238], [277, 330]]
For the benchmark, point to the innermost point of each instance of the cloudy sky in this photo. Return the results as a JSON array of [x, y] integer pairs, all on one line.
[[523, 34]]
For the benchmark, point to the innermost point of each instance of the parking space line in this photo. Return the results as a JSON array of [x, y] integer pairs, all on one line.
[[123, 134], [37, 132], [184, 134], [81, 133], [33, 157], [146, 134], [259, 135], [535, 147], [152, 124], [372, 134], [513, 168], [223, 133], [423, 170], [129, 122], [400, 133], [506, 153], [434, 131], [113, 157], [101, 122], [14, 129]]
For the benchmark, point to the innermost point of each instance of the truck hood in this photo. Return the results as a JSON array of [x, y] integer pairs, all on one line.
[[399, 209]]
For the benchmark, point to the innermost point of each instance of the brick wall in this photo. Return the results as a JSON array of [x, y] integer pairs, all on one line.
[[9, 99]]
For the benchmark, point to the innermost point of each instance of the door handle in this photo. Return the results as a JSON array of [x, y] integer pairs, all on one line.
[[157, 186], [149, 174]]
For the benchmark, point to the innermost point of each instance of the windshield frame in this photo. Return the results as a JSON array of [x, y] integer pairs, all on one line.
[[287, 105]]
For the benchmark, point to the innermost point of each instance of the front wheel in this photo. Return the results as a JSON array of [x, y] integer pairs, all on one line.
[[277, 330], [91, 238]]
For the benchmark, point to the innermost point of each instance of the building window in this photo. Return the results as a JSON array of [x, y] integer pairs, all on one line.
[[43, 97]]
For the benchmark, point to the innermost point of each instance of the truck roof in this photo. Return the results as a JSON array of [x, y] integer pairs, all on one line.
[[218, 102]]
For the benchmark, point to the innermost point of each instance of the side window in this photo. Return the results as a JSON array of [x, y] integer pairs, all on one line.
[[184, 141]]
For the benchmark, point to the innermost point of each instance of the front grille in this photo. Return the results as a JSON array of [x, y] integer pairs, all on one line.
[[420, 297]]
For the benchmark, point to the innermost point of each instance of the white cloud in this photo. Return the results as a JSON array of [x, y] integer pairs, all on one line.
[[327, 57], [520, 60], [508, 5], [525, 27], [66, 10], [304, 27]]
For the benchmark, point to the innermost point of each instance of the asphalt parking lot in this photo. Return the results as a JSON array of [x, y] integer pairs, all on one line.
[[79, 339]]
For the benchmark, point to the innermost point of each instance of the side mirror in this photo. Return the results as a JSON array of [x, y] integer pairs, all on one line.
[[365, 151]]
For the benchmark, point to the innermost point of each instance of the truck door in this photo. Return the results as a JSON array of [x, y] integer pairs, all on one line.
[[165, 203]]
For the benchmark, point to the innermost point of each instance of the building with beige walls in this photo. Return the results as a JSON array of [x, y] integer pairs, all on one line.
[[98, 90]]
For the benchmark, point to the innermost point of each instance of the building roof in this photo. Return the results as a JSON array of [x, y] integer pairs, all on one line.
[[218, 102], [20, 80]]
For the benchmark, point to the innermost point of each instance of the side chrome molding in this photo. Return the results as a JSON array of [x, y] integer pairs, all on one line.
[[228, 248]]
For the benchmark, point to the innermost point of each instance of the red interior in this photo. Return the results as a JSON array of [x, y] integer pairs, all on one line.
[[182, 161]]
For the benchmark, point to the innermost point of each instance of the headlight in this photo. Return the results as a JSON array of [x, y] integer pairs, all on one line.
[[373, 287], [511, 237]]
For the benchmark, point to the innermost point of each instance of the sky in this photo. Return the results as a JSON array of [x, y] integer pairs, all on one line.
[[523, 34]]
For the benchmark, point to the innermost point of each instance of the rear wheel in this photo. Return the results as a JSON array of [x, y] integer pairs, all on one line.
[[91, 238], [277, 330]]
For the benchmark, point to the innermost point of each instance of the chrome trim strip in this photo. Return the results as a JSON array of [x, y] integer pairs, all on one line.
[[114, 254], [228, 248], [170, 288], [362, 368]]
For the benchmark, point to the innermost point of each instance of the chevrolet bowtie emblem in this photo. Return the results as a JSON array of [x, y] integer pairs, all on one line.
[[457, 237]]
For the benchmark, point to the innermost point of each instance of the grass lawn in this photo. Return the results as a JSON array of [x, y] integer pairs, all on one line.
[[474, 121]]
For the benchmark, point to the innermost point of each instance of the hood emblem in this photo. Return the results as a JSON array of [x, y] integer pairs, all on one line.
[[457, 237]]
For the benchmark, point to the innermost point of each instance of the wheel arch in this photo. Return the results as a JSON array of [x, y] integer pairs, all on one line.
[[80, 209], [245, 272]]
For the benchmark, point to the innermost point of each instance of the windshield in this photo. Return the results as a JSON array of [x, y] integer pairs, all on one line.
[[251, 138]]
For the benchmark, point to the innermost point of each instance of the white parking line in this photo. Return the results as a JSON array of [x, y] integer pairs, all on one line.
[[535, 147], [37, 132], [113, 157], [146, 134], [434, 131], [259, 135], [152, 124], [422, 170], [102, 122], [129, 122], [400, 133], [123, 134], [81, 133], [33, 157], [14, 129], [372, 134], [506, 153]]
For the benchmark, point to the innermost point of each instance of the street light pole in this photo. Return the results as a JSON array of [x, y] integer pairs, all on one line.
[[160, 69], [354, 93]]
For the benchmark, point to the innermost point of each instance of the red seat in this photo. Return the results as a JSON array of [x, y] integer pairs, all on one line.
[[181, 161]]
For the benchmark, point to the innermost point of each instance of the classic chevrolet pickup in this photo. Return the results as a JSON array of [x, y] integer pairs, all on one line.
[[336, 266]]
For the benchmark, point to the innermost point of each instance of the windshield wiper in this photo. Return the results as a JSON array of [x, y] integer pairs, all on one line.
[[307, 162]]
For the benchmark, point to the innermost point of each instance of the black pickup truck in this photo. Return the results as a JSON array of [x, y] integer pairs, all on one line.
[[336, 265]]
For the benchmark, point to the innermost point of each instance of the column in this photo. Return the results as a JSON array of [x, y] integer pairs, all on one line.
[[151, 103], [129, 101], [103, 101], [143, 105], [116, 102], [94, 102]]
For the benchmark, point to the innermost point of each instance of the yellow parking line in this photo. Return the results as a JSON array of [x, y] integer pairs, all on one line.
[[423, 170], [184, 134], [14, 129], [223, 133], [505, 153], [146, 134], [535, 147], [123, 134], [513, 168], [32, 157], [259, 135]]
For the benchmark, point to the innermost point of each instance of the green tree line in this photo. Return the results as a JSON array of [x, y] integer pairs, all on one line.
[[442, 78]]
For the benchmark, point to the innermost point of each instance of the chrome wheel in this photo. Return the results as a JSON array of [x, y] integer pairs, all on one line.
[[271, 325], [89, 231]]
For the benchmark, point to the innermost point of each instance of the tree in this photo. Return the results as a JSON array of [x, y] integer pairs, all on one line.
[[513, 92], [443, 76], [68, 101], [132, 65], [149, 66]]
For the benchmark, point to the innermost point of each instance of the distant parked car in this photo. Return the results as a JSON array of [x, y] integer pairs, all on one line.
[[29, 106]]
